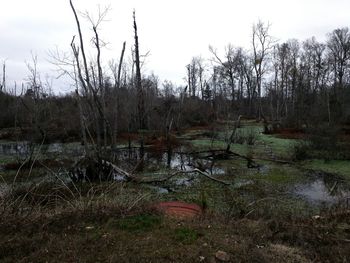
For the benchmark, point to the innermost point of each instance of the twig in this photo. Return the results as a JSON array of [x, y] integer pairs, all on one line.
[[136, 201], [129, 176], [333, 187], [63, 183], [36, 157], [139, 163]]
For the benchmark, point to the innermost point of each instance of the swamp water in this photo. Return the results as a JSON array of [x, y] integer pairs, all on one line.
[[24, 149], [322, 191], [318, 189]]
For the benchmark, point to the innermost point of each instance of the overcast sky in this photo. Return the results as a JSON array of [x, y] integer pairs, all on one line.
[[173, 31]]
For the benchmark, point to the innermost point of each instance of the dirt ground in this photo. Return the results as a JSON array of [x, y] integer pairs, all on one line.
[[106, 235]]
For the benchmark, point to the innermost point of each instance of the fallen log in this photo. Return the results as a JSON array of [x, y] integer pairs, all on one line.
[[130, 176], [118, 170], [196, 170]]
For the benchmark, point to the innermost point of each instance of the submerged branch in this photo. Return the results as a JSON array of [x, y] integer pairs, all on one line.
[[131, 177], [196, 170]]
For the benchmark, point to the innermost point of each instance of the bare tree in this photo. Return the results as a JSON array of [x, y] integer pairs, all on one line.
[[35, 92], [92, 83], [140, 91], [229, 65], [139, 88], [3, 83], [339, 50], [262, 44], [120, 65]]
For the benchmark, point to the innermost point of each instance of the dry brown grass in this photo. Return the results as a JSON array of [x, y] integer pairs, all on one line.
[[123, 228]]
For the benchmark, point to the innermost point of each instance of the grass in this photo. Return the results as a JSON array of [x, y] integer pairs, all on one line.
[[285, 175], [87, 236], [139, 223], [111, 225], [6, 159], [204, 144], [280, 147], [340, 167], [185, 235]]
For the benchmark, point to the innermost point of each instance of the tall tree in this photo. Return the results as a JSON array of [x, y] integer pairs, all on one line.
[[138, 81], [338, 44], [262, 44], [229, 65]]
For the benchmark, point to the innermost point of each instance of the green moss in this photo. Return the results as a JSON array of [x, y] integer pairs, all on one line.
[[247, 128], [138, 223], [278, 176], [208, 144], [280, 147], [6, 159], [281, 175], [185, 235], [340, 167]]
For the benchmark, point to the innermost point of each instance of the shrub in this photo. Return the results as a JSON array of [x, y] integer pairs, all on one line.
[[323, 138], [323, 141], [251, 136], [248, 136], [301, 151]]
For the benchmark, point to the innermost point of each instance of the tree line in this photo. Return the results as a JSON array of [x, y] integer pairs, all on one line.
[[295, 83]]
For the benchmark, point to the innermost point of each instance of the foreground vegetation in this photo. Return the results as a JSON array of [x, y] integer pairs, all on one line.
[[106, 234], [260, 216]]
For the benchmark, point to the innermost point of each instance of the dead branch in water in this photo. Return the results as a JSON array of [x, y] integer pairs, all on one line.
[[130, 176], [118, 170], [196, 170]]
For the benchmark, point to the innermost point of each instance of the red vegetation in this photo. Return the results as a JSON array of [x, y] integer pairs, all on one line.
[[128, 135], [290, 133], [161, 143]]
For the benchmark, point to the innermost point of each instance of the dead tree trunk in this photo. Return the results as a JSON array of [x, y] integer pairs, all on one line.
[[140, 95], [3, 84], [102, 118], [87, 76], [81, 113], [116, 92], [120, 65]]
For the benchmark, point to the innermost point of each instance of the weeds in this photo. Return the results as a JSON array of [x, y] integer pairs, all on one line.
[[248, 136], [186, 235], [301, 151], [139, 223]]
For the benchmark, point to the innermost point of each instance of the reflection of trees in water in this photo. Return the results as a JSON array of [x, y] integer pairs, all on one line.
[[179, 160]]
